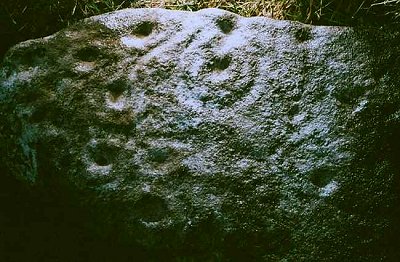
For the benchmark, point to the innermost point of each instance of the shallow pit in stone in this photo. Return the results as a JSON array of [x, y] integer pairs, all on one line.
[[143, 29]]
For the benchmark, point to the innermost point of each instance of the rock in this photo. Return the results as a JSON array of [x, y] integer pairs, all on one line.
[[209, 136]]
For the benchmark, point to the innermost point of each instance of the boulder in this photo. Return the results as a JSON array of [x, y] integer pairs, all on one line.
[[208, 136]]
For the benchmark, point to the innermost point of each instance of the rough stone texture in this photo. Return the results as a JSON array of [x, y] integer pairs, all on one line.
[[208, 136]]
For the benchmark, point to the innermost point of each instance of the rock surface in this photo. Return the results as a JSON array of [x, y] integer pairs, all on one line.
[[208, 136]]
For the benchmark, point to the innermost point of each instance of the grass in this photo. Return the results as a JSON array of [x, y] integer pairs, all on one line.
[[328, 12], [25, 19]]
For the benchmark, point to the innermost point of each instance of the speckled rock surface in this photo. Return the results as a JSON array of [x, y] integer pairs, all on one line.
[[208, 136]]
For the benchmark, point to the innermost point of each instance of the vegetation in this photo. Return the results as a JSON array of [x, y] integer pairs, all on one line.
[[24, 19]]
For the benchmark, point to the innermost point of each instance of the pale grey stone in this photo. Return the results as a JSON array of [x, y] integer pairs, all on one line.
[[209, 136]]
